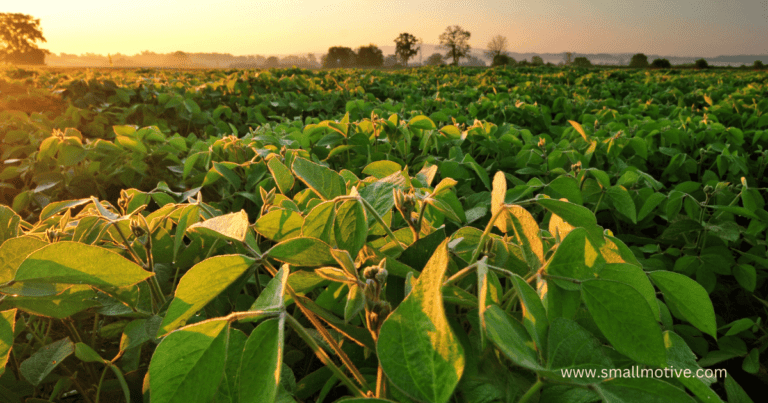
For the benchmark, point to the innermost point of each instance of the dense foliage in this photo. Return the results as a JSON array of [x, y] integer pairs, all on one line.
[[437, 234]]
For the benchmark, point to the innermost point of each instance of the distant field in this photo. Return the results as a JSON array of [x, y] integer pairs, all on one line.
[[434, 234]]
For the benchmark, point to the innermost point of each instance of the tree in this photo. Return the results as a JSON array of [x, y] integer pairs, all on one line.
[[582, 62], [758, 65], [503, 60], [370, 56], [702, 64], [537, 61], [567, 58], [661, 64], [454, 40], [496, 47], [391, 61], [639, 60], [473, 61], [435, 60], [339, 56], [405, 47], [18, 34], [272, 62]]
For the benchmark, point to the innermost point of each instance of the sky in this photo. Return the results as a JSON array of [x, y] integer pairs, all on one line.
[[705, 28]]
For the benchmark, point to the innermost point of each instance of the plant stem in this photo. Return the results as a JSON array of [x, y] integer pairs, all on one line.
[[487, 232], [324, 358], [531, 392], [597, 206], [381, 222], [101, 380]]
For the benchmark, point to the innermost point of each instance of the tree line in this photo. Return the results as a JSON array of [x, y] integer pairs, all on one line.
[[20, 32]]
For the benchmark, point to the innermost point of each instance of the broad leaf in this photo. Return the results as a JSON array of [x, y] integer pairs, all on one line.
[[417, 348], [232, 226], [571, 347], [687, 297], [77, 263], [351, 227], [634, 276], [322, 180], [282, 175], [319, 222], [575, 258], [511, 338], [188, 364], [575, 215], [13, 252], [7, 325], [279, 224], [623, 315], [201, 284], [641, 390], [35, 368], [302, 252], [534, 315], [259, 376]]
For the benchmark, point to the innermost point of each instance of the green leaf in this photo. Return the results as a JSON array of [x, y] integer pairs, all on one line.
[[13, 252], [201, 284], [279, 224], [325, 182], [319, 222], [302, 251], [745, 275], [688, 298], [74, 299], [752, 362], [735, 392], [232, 226], [355, 302], [421, 122], [7, 327], [511, 338], [573, 347], [228, 389], [567, 187], [650, 204], [678, 228], [534, 315], [417, 348], [577, 216], [625, 318], [622, 201], [189, 215], [682, 364], [634, 276], [54, 208], [261, 362], [273, 295], [526, 230], [283, 177], [641, 390], [76, 263], [188, 364], [575, 258], [9, 224], [740, 211], [35, 368], [86, 354], [351, 227], [382, 169]]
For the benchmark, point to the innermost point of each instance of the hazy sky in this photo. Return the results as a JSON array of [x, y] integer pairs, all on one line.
[[241, 27]]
